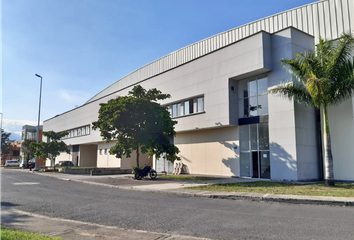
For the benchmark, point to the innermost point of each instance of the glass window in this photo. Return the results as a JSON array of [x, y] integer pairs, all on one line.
[[252, 88], [245, 164], [262, 104], [179, 105], [244, 138], [253, 128], [174, 110], [79, 132], [186, 107], [191, 106], [253, 106], [72, 133], [105, 151], [253, 97], [200, 104], [100, 151], [243, 89], [195, 105], [88, 130], [75, 132], [83, 131], [263, 136], [262, 86]]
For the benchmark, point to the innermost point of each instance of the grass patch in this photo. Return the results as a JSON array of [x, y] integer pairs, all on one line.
[[318, 189], [187, 177], [12, 234]]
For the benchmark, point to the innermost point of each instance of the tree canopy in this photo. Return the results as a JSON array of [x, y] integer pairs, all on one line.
[[52, 148], [27, 150], [138, 122], [322, 78], [5, 142]]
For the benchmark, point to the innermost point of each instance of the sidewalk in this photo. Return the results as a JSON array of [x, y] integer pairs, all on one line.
[[77, 230], [174, 186]]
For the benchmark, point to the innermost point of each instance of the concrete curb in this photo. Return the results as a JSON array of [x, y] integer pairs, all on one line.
[[293, 199]]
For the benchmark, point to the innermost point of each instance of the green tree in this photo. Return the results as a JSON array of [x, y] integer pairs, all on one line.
[[27, 150], [322, 78], [138, 122], [5, 142], [52, 148]]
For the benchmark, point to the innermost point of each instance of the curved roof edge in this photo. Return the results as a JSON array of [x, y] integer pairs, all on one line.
[[326, 18]]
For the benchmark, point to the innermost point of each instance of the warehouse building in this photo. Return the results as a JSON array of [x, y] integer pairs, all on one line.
[[227, 122]]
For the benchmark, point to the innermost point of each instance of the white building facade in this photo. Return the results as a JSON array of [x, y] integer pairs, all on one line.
[[227, 123]]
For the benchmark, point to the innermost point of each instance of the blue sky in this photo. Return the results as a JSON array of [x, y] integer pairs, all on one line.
[[80, 47]]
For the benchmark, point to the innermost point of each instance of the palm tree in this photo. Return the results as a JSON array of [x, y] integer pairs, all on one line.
[[322, 78]]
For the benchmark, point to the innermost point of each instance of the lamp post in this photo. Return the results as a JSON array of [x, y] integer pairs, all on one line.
[[39, 116]]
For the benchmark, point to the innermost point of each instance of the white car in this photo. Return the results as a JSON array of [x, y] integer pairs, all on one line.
[[12, 163]]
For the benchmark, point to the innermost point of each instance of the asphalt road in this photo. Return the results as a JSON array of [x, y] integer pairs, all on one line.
[[212, 218]]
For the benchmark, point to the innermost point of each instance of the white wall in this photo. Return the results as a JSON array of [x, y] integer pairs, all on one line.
[[341, 123], [210, 151], [208, 76], [106, 160], [88, 156], [290, 124]]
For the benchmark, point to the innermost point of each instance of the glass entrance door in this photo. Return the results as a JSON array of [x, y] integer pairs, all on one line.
[[254, 151]]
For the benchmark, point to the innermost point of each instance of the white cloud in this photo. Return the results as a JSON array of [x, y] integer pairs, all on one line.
[[74, 96], [15, 126]]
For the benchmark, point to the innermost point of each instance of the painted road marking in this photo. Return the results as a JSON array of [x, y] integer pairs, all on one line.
[[25, 183]]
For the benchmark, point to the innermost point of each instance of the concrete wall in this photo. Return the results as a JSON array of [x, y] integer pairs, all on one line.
[[62, 157], [105, 160], [341, 123], [110, 161], [128, 163], [290, 124], [207, 76], [210, 151], [88, 156]]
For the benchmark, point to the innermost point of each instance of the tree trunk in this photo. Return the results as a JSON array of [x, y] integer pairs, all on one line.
[[328, 158], [53, 162], [137, 156]]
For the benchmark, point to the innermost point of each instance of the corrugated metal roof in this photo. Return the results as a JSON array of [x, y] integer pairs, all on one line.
[[326, 18]]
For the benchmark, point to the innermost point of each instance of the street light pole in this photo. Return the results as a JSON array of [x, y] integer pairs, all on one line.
[[39, 116]]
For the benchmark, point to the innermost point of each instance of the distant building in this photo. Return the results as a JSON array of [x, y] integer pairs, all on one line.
[[14, 153], [30, 133]]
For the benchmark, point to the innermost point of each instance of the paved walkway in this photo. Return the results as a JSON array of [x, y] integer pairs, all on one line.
[[69, 229]]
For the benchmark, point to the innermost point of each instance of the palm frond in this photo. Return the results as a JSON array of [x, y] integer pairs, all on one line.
[[341, 54], [344, 88], [294, 90]]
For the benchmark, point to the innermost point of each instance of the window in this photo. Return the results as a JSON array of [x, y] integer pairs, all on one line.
[[105, 151], [87, 130], [187, 107], [100, 151], [200, 105], [253, 97], [81, 131]]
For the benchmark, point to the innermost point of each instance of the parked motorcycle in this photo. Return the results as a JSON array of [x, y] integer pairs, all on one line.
[[147, 170]]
